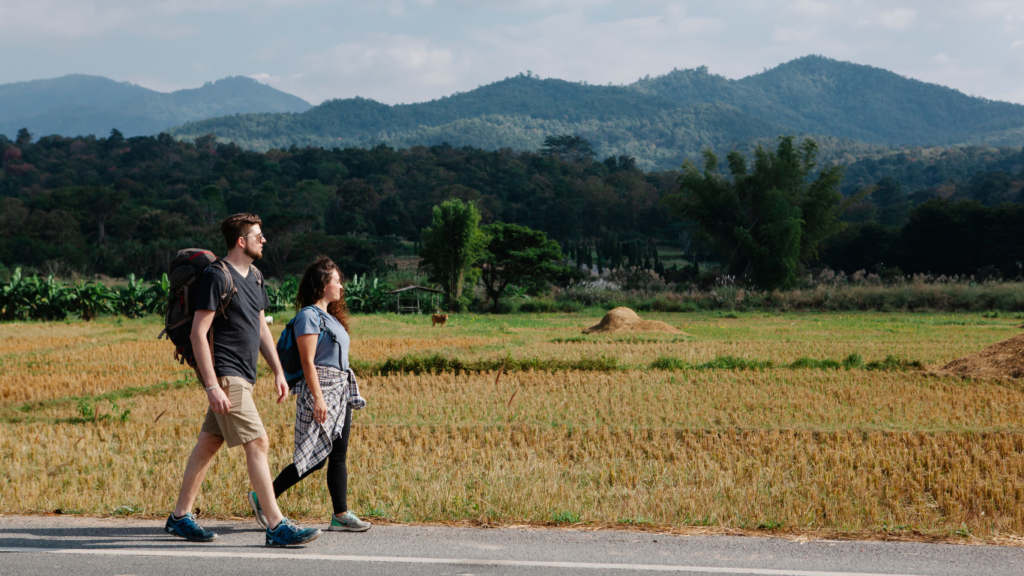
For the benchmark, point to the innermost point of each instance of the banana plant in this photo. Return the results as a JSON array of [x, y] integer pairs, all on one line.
[[90, 299], [157, 294], [283, 298], [14, 302], [130, 301], [363, 296], [513, 292], [48, 299]]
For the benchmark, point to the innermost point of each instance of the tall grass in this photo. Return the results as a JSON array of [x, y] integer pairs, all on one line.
[[759, 422]]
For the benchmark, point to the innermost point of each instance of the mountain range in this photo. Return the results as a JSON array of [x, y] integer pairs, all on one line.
[[852, 110], [849, 108], [79, 105]]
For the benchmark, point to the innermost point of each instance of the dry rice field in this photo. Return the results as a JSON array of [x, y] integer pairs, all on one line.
[[847, 452]]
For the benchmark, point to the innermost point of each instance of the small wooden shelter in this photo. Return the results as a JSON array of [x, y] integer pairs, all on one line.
[[414, 291]]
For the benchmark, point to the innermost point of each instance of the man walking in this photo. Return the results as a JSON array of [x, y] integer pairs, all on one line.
[[226, 362]]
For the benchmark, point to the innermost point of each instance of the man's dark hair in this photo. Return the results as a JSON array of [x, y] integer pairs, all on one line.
[[237, 225]]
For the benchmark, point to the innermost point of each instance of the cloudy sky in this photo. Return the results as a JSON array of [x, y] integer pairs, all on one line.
[[414, 50]]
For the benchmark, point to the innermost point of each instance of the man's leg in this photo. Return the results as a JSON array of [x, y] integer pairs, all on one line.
[[195, 471], [259, 474]]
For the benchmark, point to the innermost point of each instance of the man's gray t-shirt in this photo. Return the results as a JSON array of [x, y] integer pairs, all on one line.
[[236, 335], [307, 321]]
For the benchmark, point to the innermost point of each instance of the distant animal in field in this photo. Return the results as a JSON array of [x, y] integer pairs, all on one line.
[[438, 319], [269, 320]]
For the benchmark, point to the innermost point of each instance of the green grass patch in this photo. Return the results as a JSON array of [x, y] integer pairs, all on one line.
[[823, 364], [565, 517], [437, 363], [890, 363], [717, 363], [853, 361], [87, 405]]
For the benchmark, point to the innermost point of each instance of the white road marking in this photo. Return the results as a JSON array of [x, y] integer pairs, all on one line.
[[413, 560]]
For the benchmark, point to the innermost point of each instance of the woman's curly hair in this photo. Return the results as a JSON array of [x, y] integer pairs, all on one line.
[[311, 288]]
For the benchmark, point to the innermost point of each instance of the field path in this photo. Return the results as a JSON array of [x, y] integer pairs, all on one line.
[[87, 546]]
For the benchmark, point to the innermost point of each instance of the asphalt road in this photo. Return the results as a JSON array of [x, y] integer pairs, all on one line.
[[98, 546]]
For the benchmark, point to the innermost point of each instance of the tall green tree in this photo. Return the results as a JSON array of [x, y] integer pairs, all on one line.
[[571, 147], [451, 245], [515, 254], [768, 220], [893, 204], [211, 205], [102, 203]]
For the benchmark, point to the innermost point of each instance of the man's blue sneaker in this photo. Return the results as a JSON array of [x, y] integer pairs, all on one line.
[[188, 528], [288, 534]]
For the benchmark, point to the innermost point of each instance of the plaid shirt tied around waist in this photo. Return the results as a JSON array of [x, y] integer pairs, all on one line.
[[313, 441]]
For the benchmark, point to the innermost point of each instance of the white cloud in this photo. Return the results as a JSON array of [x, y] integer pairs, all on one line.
[[793, 34], [74, 19], [396, 9], [813, 8], [383, 67], [898, 19], [413, 50]]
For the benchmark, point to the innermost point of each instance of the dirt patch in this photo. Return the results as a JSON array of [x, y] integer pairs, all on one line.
[[1001, 360], [625, 320]]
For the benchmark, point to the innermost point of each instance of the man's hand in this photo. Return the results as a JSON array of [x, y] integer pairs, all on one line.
[[219, 401], [282, 387]]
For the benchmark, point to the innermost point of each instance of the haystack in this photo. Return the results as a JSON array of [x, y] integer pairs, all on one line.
[[622, 320], [1001, 360]]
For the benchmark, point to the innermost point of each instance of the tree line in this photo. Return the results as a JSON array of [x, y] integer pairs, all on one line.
[[117, 206], [120, 205]]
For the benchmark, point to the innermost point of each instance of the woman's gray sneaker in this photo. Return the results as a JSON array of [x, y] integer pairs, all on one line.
[[258, 510], [348, 522]]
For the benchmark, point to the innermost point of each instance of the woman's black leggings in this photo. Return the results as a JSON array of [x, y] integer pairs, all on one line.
[[337, 473]]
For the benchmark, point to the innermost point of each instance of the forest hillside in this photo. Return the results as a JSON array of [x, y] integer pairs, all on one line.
[[853, 111]]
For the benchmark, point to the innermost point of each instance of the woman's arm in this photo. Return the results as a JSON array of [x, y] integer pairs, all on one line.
[[307, 350]]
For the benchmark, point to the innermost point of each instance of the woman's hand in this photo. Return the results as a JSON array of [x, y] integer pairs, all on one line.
[[319, 410]]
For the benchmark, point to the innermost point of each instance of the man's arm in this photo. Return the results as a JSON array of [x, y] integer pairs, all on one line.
[[201, 324], [269, 351]]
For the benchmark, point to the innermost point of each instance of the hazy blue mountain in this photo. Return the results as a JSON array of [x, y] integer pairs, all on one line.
[[78, 105], [515, 113], [824, 96], [22, 99], [851, 108]]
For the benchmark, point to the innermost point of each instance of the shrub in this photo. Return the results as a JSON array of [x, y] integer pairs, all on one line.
[[544, 305], [824, 364]]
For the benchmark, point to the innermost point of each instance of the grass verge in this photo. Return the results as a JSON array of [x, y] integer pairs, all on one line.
[[439, 363]]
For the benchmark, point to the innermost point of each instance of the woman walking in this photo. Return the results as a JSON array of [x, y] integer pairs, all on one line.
[[327, 394]]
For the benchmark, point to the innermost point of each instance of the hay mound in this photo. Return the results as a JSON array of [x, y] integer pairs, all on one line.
[[624, 320], [1001, 360]]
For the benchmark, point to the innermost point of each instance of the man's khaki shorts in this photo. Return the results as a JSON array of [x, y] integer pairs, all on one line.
[[242, 423]]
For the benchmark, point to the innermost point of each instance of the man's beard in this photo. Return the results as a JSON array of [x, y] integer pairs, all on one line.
[[254, 254]]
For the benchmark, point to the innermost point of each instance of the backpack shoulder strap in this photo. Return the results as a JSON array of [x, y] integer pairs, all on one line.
[[229, 288], [323, 326], [259, 275]]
